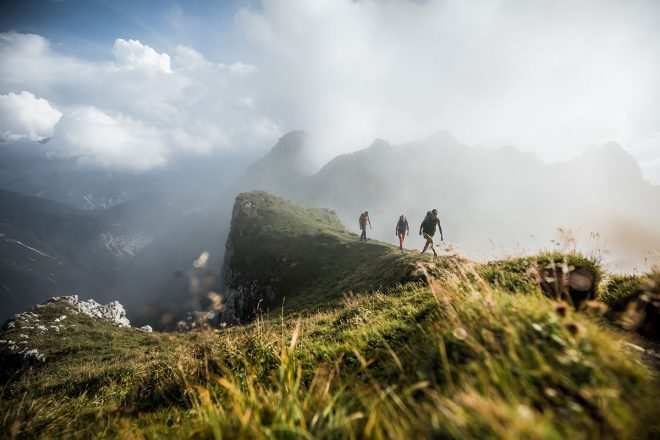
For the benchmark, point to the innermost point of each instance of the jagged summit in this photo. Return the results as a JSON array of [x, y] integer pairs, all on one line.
[[290, 143], [379, 144], [281, 168], [611, 163], [289, 152]]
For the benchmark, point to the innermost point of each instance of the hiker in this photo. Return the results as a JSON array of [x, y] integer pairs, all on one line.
[[428, 229], [364, 221], [402, 229]]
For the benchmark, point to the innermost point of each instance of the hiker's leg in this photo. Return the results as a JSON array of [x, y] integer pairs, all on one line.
[[432, 246], [401, 236]]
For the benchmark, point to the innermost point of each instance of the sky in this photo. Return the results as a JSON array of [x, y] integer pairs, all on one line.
[[138, 85]]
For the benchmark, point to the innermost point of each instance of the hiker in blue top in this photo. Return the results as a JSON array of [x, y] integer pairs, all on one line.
[[428, 229], [402, 229]]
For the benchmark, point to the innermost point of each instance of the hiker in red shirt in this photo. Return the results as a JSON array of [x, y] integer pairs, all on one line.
[[364, 221], [402, 229]]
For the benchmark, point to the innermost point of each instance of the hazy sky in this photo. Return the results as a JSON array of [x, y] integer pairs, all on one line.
[[137, 84]]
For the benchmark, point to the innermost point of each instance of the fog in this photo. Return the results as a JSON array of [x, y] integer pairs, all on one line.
[[552, 78]]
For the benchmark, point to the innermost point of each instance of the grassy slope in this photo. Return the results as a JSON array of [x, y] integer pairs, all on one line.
[[306, 256], [459, 357]]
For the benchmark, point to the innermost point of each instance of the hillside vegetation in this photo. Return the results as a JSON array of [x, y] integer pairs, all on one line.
[[279, 252], [377, 343]]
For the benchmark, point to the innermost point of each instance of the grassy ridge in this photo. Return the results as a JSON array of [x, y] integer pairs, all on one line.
[[305, 257], [459, 351]]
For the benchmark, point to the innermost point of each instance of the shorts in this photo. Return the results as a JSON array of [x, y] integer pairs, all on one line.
[[428, 237]]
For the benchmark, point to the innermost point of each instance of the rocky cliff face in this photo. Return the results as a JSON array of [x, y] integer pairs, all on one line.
[[243, 291]]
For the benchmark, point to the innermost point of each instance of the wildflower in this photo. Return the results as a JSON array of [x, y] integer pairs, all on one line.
[[216, 301], [524, 412], [550, 392], [460, 333], [571, 356], [200, 262]]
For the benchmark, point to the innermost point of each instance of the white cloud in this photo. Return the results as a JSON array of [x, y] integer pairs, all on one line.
[[23, 115], [97, 138], [187, 57], [138, 111], [135, 55]]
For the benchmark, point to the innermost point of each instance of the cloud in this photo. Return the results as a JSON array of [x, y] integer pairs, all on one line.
[[138, 111], [135, 55], [23, 115], [550, 77], [97, 138]]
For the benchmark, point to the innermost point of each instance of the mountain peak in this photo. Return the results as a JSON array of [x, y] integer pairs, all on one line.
[[288, 161], [290, 143], [442, 137], [612, 160], [380, 143], [291, 151]]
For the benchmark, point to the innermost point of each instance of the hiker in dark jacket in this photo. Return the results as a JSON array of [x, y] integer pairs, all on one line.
[[428, 229], [364, 221], [402, 229]]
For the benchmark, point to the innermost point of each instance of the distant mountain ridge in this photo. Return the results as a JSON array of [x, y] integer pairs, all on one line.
[[33, 169], [501, 196], [48, 248]]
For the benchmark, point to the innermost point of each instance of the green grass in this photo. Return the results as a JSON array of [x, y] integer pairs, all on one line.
[[556, 275], [472, 351], [633, 302]]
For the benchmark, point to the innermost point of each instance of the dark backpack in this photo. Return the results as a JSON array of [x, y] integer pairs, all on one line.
[[428, 225]]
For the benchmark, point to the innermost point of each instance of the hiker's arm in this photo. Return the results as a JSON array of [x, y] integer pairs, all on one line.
[[440, 227], [407, 227], [420, 228], [369, 220]]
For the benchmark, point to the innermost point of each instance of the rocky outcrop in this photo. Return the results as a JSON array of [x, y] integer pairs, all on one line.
[[25, 336], [112, 311]]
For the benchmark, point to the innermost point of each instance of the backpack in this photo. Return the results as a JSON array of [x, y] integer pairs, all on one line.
[[428, 225], [362, 219]]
